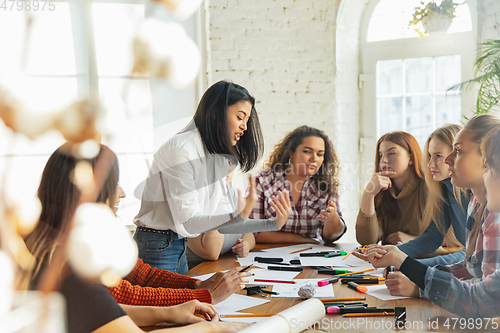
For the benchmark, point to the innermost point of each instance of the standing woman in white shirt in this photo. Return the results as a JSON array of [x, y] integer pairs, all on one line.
[[186, 182]]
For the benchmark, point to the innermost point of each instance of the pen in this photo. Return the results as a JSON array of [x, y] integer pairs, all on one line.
[[342, 299], [364, 310], [269, 260], [360, 281], [269, 292], [368, 314], [243, 315], [309, 248], [343, 304], [352, 273], [327, 281], [347, 255], [355, 286], [275, 281], [279, 268], [336, 254], [362, 248], [245, 269], [281, 263]]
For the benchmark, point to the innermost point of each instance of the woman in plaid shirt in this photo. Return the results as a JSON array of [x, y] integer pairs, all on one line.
[[477, 297], [306, 165]]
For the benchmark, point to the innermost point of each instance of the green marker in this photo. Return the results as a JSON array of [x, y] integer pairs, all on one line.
[[269, 292]]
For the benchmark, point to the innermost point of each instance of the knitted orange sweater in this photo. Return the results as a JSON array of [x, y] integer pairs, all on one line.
[[147, 285]]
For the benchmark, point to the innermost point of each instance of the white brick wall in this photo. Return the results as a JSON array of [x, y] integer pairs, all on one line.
[[284, 52], [489, 19]]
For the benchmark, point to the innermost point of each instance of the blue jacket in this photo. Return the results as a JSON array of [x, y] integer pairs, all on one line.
[[454, 214]]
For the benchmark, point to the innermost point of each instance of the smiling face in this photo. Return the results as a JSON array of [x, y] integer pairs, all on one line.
[[395, 158], [238, 115], [308, 157], [465, 163], [438, 151]]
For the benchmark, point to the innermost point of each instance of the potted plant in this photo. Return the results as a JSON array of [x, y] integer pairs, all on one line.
[[434, 17]]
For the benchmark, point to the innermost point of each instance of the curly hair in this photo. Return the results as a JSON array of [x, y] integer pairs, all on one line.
[[326, 179]]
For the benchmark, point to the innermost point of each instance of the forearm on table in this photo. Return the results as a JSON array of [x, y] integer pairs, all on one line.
[[282, 237], [207, 245], [368, 230], [250, 239], [146, 315], [332, 230]]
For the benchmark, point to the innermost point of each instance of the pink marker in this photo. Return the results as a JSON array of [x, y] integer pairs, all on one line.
[[327, 281], [333, 310]]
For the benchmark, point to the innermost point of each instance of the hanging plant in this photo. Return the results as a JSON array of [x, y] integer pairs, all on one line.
[[434, 17]]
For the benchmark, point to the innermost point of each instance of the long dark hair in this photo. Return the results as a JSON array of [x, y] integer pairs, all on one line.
[[211, 119], [326, 178], [59, 197]]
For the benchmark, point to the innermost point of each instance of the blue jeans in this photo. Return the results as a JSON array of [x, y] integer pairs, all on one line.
[[164, 251]]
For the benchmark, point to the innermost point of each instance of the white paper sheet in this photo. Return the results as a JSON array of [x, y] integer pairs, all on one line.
[[244, 319], [292, 289], [238, 302], [380, 291], [270, 275]]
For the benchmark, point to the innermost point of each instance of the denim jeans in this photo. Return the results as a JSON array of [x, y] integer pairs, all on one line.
[[164, 251]]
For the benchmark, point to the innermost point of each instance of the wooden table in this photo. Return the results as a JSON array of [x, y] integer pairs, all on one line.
[[421, 315]]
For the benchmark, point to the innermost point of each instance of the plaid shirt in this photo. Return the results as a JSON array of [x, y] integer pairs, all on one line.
[[485, 259], [303, 218], [478, 300]]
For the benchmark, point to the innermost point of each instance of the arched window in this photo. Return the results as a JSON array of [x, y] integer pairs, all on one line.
[[405, 79]]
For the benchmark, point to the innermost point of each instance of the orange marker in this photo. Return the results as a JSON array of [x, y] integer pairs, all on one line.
[[355, 286]]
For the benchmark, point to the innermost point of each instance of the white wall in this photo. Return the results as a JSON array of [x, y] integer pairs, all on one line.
[[489, 19]]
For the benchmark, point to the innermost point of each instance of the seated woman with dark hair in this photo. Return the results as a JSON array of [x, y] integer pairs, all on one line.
[[90, 307]]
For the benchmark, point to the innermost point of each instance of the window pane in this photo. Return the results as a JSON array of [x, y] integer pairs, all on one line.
[[462, 20], [11, 31], [51, 49], [133, 126], [390, 20], [390, 77], [390, 114], [114, 41], [448, 109], [418, 75], [419, 120], [448, 71]]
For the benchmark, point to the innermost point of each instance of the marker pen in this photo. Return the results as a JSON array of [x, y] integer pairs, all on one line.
[[285, 268], [361, 281], [327, 281], [355, 286]]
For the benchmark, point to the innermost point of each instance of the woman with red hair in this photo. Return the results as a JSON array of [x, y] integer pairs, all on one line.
[[393, 202]]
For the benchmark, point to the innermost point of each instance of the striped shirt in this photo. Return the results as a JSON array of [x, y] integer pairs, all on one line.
[[303, 218]]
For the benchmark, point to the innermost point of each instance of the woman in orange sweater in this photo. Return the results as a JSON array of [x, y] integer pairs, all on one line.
[[145, 285]]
